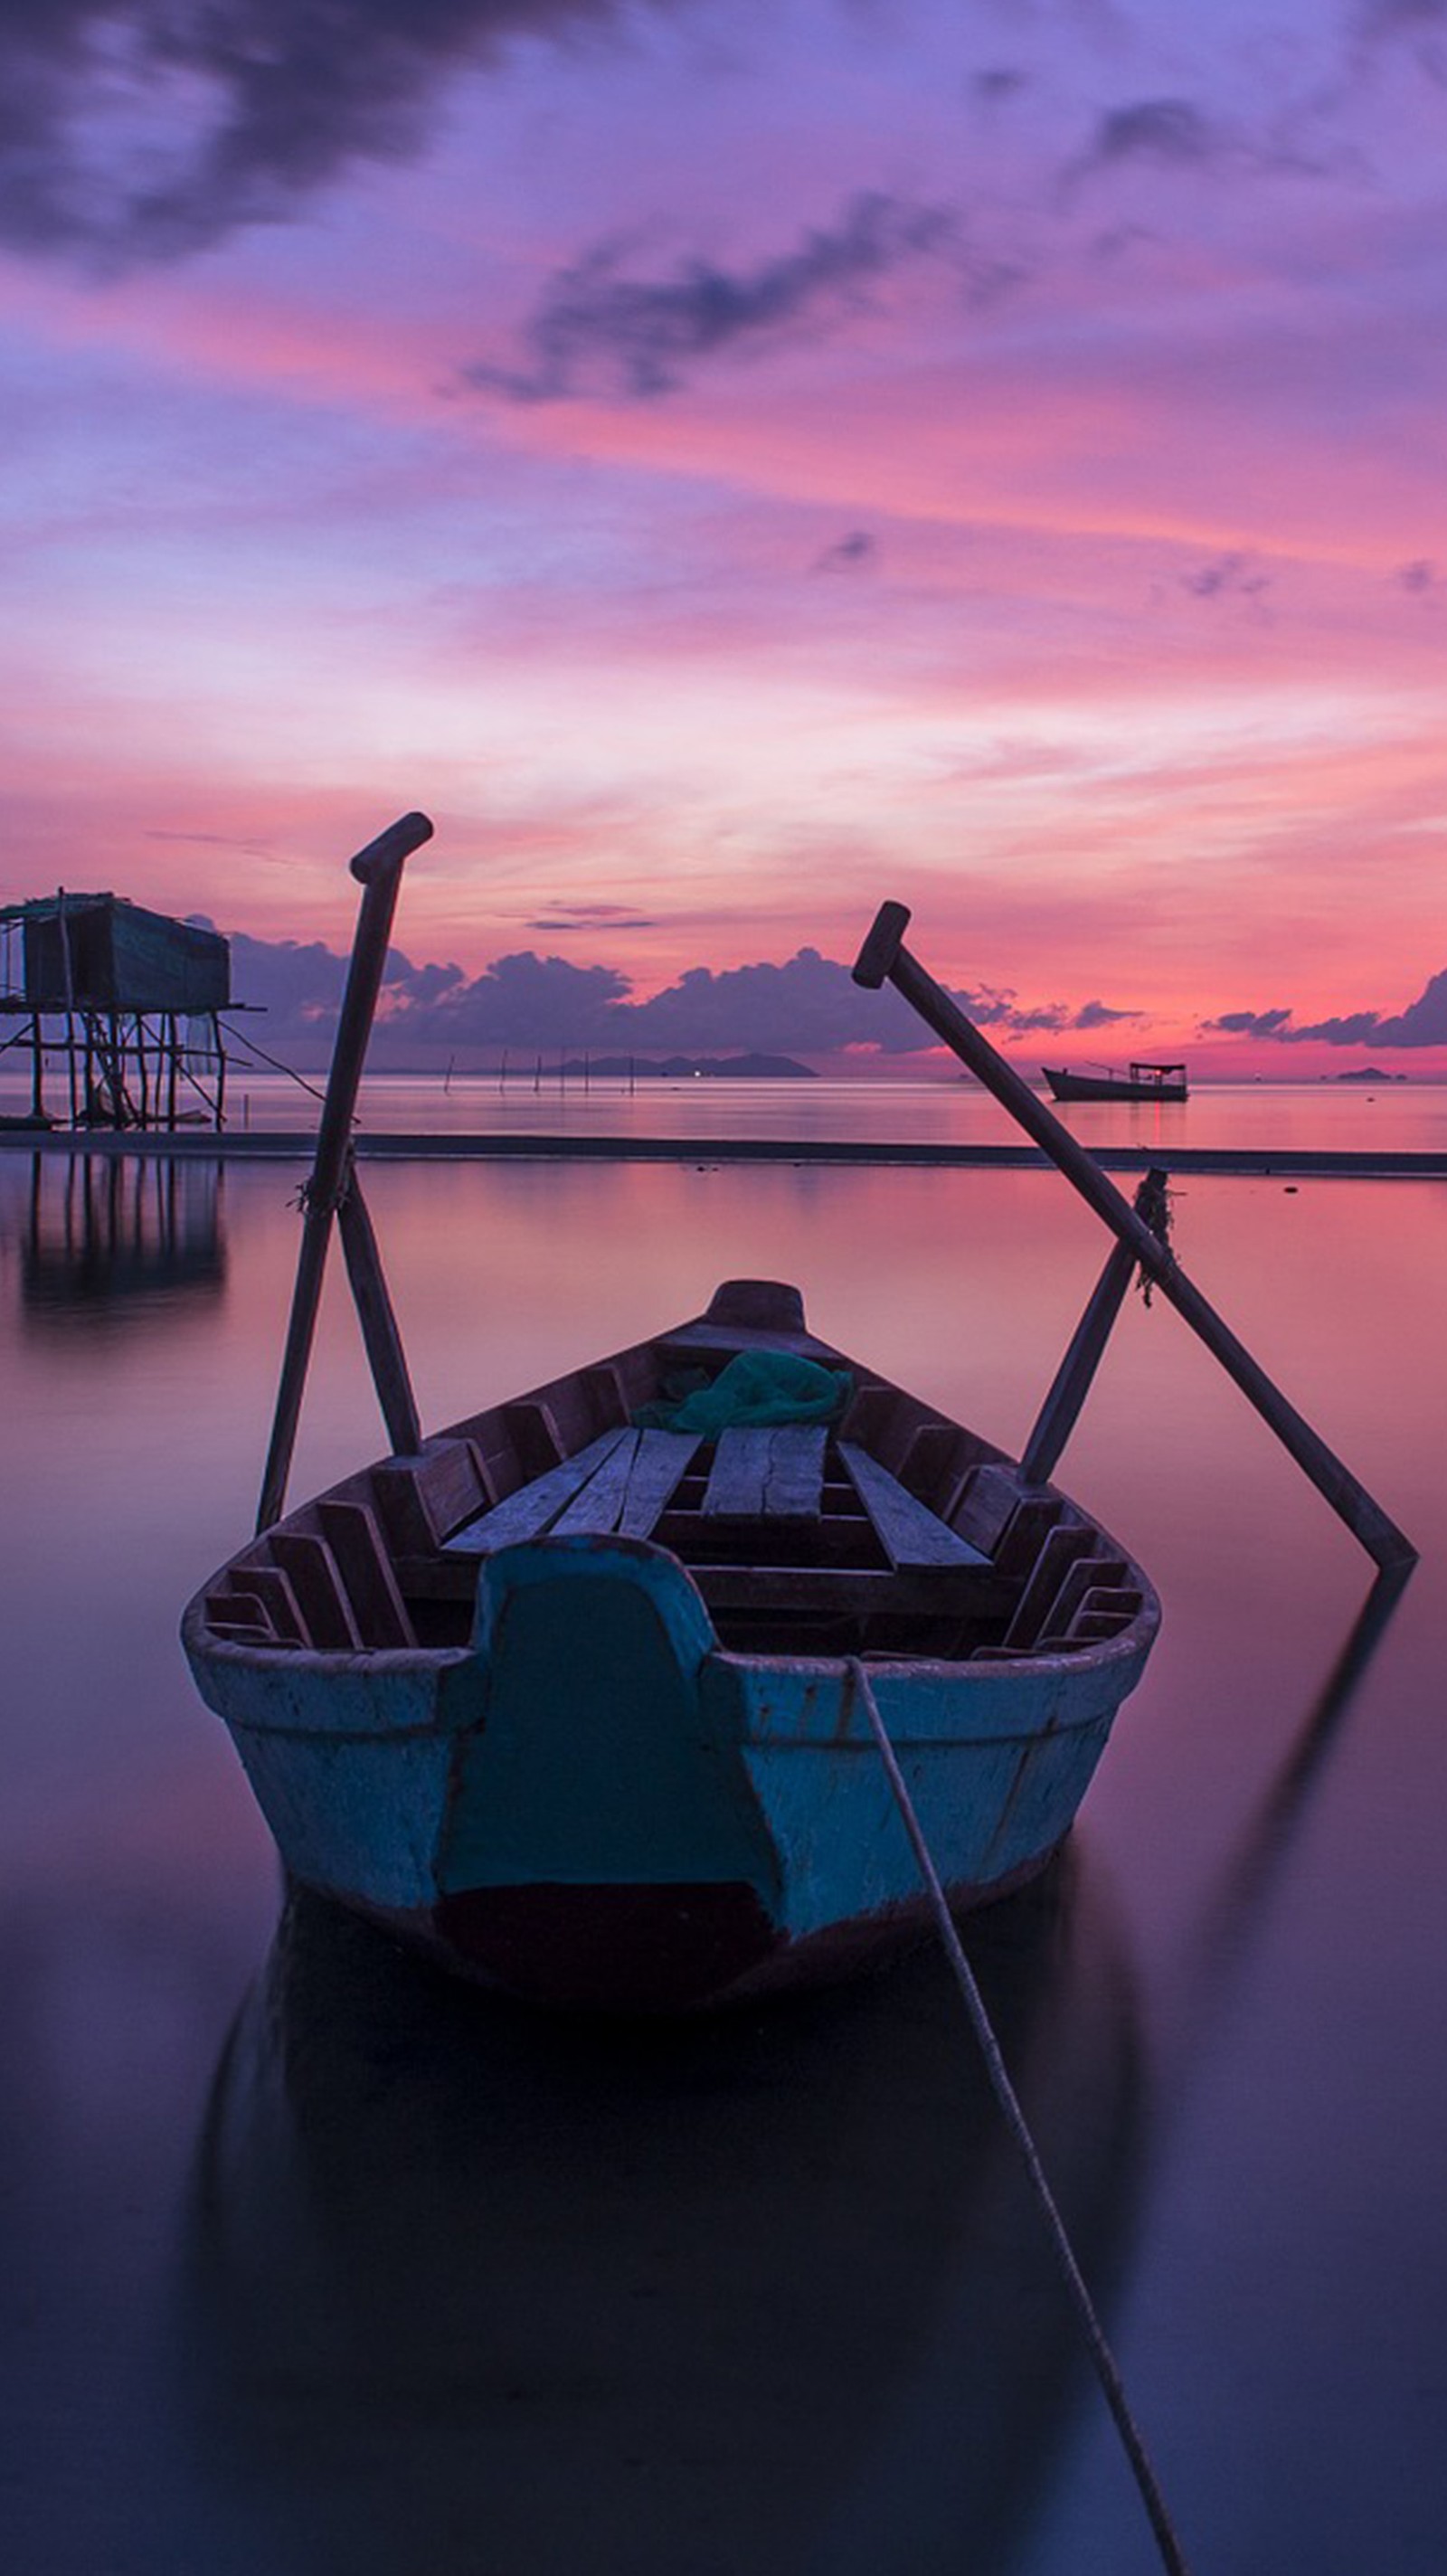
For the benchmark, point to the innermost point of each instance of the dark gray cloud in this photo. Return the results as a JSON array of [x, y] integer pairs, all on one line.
[[141, 130], [1422, 1024], [1155, 129], [300, 985], [522, 1000], [1099, 1015], [1226, 575], [1250, 1024], [858, 547], [1174, 134], [1001, 82], [810, 1005], [557, 919], [1354, 1029], [1419, 578], [597, 328]]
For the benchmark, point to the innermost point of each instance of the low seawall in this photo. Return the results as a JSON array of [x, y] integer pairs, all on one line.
[[281, 1145]]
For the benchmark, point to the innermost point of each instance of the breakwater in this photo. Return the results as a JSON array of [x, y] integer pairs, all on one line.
[[297, 1146]]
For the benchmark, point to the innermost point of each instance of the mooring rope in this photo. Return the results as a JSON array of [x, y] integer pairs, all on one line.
[[1172, 2555]]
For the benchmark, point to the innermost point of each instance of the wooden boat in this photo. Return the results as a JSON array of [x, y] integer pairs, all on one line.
[[1142, 1082], [577, 1704], [641, 1697]]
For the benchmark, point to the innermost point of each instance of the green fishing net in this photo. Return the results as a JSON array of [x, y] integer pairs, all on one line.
[[756, 1390]]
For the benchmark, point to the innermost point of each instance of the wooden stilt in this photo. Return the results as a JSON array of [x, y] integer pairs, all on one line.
[[885, 957], [378, 869], [385, 1354], [1073, 1379], [68, 975]]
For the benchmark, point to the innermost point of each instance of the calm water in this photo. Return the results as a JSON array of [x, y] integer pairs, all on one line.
[[315, 2264], [1306, 1116]]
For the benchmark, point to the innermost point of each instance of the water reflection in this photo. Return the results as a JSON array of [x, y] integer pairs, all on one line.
[[468, 2286], [1253, 1870], [112, 1237]]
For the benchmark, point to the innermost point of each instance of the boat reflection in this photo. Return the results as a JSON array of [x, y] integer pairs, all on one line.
[[470, 2287], [111, 1236]]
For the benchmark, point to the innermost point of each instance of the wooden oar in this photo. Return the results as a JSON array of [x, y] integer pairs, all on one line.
[[378, 869], [885, 957]]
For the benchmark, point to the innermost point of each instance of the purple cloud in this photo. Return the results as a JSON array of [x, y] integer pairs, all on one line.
[[136, 131], [809, 1005], [1422, 1024], [639, 335]]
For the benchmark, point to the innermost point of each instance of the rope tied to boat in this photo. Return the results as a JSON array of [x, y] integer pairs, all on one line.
[[1173, 2556]]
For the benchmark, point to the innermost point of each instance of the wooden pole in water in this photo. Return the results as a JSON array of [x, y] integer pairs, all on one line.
[[378, 869], [884, 957], [1073, 1379], [68, 976], [383, 1341]]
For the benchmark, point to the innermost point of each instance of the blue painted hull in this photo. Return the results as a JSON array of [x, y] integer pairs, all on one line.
[[595, 1805]]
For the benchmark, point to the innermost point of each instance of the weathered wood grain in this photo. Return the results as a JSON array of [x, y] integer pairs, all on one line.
[[910, 1534], [351, 1533], [311, 1569], [535, 1507], [660, 1462], [767, 1474]]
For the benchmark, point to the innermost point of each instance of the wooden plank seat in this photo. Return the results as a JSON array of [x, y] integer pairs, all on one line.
[[633, 1487], [771, 1478], [773, 1474], [913, 1538], [620, 1482], [925, 1567]]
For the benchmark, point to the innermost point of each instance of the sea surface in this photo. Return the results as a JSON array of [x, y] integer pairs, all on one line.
[[317, 2266], [1327, 1116]]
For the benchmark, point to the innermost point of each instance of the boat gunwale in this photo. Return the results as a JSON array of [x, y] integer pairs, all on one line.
[[711, 1339]]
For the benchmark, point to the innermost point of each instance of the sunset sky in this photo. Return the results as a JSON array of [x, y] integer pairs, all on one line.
[[733, 463]]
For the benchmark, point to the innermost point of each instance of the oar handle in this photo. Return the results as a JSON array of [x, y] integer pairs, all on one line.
[[385, 855], [378, 869]]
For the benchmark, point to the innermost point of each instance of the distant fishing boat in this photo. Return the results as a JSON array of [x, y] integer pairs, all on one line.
[[1142, 1082]]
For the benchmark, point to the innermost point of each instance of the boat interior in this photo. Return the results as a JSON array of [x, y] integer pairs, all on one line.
[[892, 1531]]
